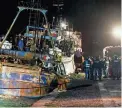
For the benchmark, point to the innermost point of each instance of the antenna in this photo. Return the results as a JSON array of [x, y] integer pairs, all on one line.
[[30, 3], [59, 5]]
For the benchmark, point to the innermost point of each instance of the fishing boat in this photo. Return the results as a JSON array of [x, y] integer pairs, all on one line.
[[28, 70]]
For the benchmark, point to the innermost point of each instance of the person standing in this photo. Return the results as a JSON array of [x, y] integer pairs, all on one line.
[[91, 68], [97, 69], [32, 45], [78, 60], [100, 68], [116, 65], [86, 66], [21, 44], [119, 69], [106, 68]]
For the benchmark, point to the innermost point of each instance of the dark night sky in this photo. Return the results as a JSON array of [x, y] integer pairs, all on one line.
[[94, 18]]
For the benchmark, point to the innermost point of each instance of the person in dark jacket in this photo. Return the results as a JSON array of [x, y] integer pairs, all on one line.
[[91, 67], [101, 66], [97, 69], [116, 65], [78, 60]]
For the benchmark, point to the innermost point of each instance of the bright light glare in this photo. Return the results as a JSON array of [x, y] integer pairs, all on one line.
[[117, 32], [69, 33], [63, 25]]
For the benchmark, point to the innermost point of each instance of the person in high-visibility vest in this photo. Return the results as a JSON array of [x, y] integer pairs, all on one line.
[[91, 68], [86, 66]]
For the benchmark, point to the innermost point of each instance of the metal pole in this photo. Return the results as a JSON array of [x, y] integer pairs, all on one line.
[[20, 9], [53, 22], [49, 33]]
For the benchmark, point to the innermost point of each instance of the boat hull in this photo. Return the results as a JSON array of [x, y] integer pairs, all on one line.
[[17, 81], [16, 88]]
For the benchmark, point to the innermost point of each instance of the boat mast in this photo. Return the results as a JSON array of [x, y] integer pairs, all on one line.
[[34, 19], [25, 6], [58, 4]]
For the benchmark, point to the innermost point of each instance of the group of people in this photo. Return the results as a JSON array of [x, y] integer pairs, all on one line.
[[98, 68], [28, 44], [33, 45], [102, 67]]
